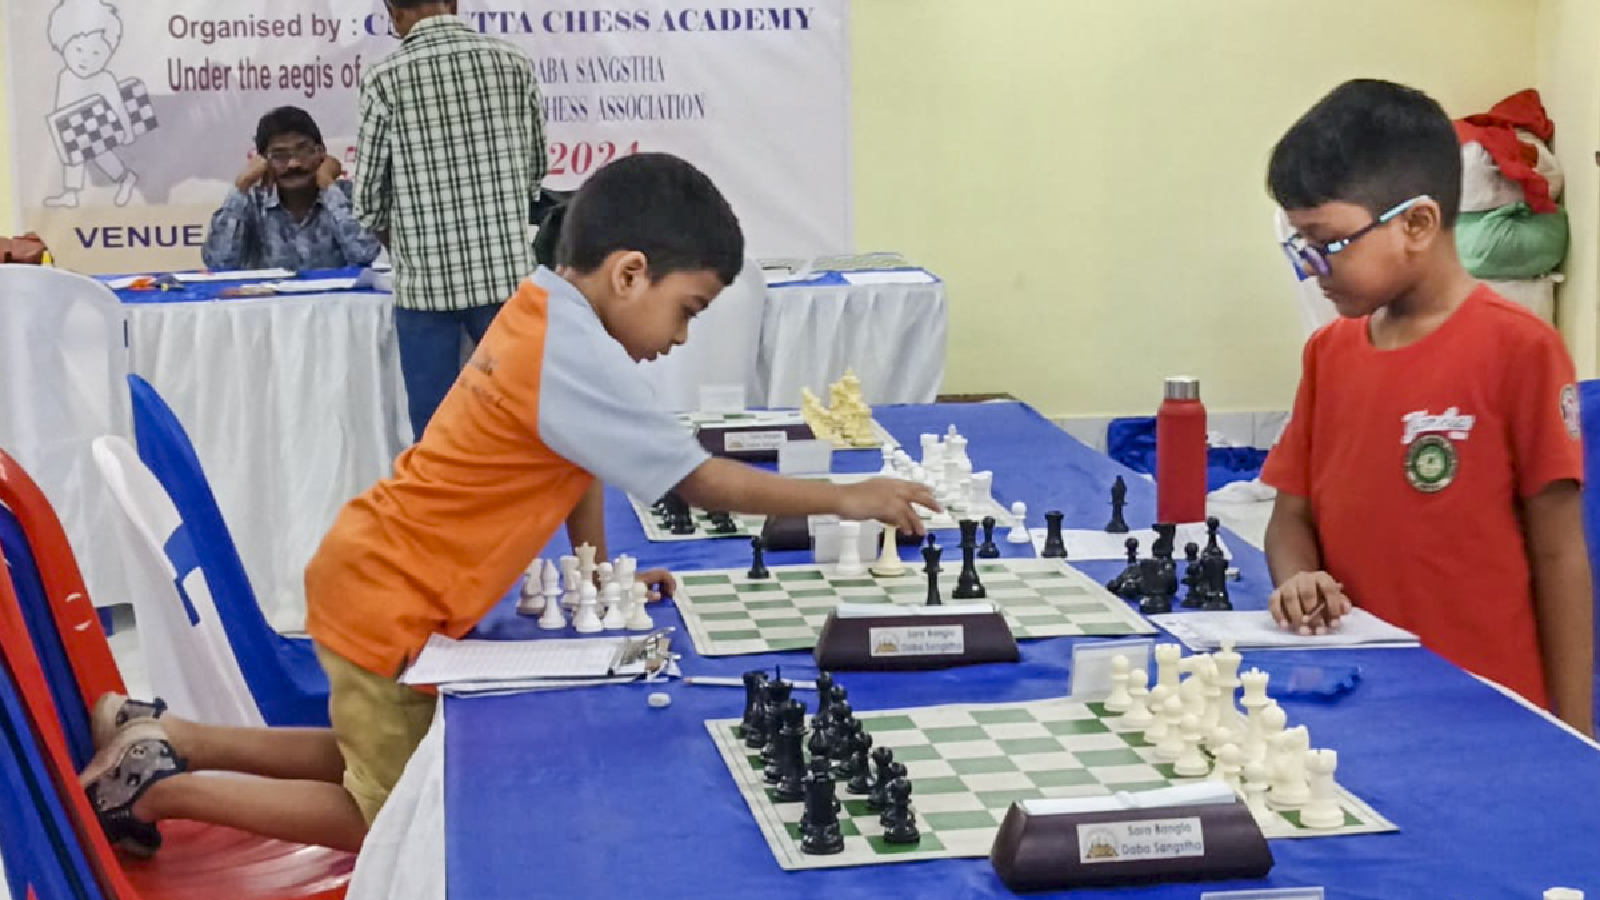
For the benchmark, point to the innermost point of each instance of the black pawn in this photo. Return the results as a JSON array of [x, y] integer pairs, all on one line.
[[1119, 502], [824, 693], [968, 587], [989, 549], [777, 699], [820, 746], [680, 517], [754, 726], [930, 556], [1126, 585], [900, 826], [758, 560], [1055, 546], [722, 523], [791, 760], [861, 766], [1213, 525], [883, 773], [1192, 579], [820, 834], [1214, 574]]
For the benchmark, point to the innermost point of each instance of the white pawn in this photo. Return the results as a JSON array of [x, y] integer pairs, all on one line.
[[888, 469], [1288, 760], [588, 620], [1169, 662], [1120, 700], [1256, 782], [1157, 730], [607, 573], [1019, 528], [616, 616], [903, 464], [1323, 811], [1138, 714], [889, 564], [1229, 768], [1264, 728], [627, 572], [554, 618], [639, 617], [849, 551], [1171, 746], [1191, 762]]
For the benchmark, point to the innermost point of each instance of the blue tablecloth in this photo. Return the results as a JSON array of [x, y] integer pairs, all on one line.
[[204, 292], [590, 793]]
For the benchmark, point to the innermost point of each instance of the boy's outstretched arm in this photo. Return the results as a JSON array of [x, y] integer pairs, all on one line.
[[587, 522], [1563, 598], [734, 487], [1306, 598]]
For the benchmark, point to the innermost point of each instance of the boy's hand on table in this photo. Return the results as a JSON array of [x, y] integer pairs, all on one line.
[[887, 500], [659, 581], [1309, 603]]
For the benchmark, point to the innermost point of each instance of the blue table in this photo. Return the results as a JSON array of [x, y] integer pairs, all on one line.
[[591, 794]]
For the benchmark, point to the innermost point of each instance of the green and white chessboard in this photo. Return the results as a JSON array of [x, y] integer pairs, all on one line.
[[749, 525], [775, 417], [728, 614], [968, 763]]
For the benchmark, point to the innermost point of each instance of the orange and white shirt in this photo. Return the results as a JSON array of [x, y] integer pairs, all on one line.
[[1415, 461], [548, 402]]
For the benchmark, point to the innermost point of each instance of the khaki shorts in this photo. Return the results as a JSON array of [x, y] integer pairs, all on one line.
[[378, 723]]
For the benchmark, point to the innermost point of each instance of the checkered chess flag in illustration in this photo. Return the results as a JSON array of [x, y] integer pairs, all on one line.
[[89, 128]]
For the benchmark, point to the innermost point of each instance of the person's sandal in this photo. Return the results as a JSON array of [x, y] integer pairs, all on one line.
[[138, 756], [113, 711]]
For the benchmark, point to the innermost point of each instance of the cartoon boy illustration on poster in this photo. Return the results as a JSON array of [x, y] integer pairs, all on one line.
[[94, 114]]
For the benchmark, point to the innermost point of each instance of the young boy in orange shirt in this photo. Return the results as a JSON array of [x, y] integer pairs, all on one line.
[[551, 405], [1431, 468]]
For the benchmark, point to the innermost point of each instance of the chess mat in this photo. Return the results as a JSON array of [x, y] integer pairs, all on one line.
[[89, 128], [748, 526], [728, 614], [776, 417], [968, 763]]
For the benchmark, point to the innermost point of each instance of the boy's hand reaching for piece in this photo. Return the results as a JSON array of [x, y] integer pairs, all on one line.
[[1309, 603], [887, 500], [659, 581]]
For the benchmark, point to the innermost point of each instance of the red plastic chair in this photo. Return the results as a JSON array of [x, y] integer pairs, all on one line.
[[197, 861]]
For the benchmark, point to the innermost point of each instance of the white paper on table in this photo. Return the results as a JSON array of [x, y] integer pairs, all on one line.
[[1084, 544], [916, 276], [450, 662], [315, 285], [236, 275], [1255, 630]]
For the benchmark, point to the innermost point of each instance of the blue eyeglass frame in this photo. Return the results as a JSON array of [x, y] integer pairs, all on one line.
[[1315, 260]]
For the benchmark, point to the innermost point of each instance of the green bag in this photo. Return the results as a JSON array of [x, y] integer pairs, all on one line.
[[1512, 242]]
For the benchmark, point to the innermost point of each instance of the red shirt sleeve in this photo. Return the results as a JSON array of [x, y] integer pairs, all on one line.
[[1542, 417], [1288, 466]]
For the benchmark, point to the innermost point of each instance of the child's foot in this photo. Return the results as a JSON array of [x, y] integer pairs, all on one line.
[[112, 711], [63, 200], [125, 188], [138, 757]]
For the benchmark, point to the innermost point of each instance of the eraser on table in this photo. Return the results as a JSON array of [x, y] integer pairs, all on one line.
[[659, 700]]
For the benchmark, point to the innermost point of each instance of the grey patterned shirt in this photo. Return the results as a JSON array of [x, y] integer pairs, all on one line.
[[253, 231], [449, 157]]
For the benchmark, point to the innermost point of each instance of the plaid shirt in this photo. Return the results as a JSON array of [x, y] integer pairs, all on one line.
[[448, 161], [253, 231]]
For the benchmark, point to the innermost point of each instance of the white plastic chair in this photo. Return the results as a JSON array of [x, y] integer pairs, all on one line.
[[723, 345], [190, 662], [1316, 310], [63, 383]]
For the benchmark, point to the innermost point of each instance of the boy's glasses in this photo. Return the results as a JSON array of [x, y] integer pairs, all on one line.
[[1314, 260]]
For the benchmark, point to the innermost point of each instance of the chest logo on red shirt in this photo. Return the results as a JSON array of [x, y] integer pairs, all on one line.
[[1431, 459], [1570, 411]]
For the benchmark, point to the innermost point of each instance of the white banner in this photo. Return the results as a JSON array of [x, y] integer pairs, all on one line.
[[132, 117]]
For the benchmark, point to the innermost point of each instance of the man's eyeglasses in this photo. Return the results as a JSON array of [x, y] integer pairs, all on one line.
[[303, 152], [1314, 260]]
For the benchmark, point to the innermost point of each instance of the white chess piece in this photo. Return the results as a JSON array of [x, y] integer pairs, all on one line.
[[1119, 701], [627, 573], [570, 580], [588, 620], [931, 450], [955, 446], [950, 481], [530, 600], [638, 616], [1171, 746], [1257, 779], [1323, 809], [605, 573], [1287, 759], [903, 463], [849, 565], [1138, 714], [1193, 693], [1019, 527], [586, 554], [889, 564], [1255, 700], [554, 618], [1169, 659], [1229, 768], [982, 491], [616, 616], [1191, 762], [1157, 729], [888, 469]]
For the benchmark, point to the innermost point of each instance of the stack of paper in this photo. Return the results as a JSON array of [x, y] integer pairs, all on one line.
[[1255, 630], [480, 667]]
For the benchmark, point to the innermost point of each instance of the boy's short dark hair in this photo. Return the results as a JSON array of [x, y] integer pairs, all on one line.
[[1372, 143], [286, 120], [658, 205]]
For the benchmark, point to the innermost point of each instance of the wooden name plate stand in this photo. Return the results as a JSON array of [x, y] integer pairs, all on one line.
[[915, 638], [751, 443], [1208, 842]]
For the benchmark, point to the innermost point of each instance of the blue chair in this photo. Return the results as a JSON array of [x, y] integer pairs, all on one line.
[[1589, 410], [283, 674]]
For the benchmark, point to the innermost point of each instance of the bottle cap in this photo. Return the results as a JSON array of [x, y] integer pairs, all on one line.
[[1182, 387]]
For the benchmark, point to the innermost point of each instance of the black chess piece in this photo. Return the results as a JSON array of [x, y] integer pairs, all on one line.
[[778, 693], [900, 825], [824, 694], [988, 549], [1214, 574], [1055, 546], [930, 555], [820, 834], [758, 560], [754, 726], [1166, 542], [883, 773], [1156, 597], [1126, 584], [680, 516], [968, 587], [1119, 503], [840, 719], [1196, 596], [722, 523], [1213, 548], [791, 761], [846, 735], [861, 765]]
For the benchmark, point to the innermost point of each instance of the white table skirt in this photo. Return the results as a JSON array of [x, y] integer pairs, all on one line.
[[294, 404], [892, 335]]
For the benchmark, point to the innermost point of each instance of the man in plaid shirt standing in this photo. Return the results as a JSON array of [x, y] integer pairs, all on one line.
[[449, 158]]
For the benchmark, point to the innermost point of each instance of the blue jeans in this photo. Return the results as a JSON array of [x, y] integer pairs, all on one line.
[[430, 354]]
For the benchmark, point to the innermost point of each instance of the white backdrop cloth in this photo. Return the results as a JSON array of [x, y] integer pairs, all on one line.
[[892, 334], [721, 350], [294, 404], [63, 383]]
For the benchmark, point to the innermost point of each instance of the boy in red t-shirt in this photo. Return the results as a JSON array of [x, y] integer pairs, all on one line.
[[1430, 472]]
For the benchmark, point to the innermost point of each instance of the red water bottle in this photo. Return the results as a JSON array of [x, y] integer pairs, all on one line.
[[1181, 453]]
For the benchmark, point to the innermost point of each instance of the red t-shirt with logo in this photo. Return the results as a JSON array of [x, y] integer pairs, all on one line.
[[1415, 460]]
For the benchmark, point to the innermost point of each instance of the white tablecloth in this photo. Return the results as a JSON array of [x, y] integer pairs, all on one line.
[[294, 404], [892, 335]]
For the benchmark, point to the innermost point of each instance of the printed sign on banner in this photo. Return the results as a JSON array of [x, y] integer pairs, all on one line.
[[131, 120]]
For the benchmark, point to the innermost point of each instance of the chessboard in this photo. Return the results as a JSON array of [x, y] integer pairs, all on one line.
[[748, 526], [695, 421], [968, 763], [728, 614]]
